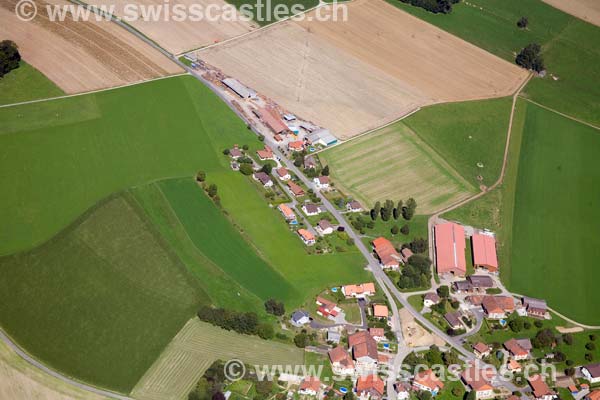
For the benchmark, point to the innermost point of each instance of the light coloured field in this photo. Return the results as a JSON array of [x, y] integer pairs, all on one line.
[[179, 36], [360, 74], [21, 381], [82, 56], [393, 163], [195, 348], [587, 10]]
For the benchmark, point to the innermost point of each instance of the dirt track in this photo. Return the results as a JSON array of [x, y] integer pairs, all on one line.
[[82, 56], [587, 10], [180, 36], [357, 75]]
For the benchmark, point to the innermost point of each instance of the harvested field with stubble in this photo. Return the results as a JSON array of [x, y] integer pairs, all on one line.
[[195, 348], [82, 56], [357, 75], [179, 36], [393, 163]]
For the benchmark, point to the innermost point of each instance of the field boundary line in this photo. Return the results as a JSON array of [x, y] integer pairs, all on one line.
[[561, 113], [37, 364], [67, 96]]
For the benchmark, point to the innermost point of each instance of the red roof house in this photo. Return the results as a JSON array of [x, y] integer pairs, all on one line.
[[484, 252], [450, 249], [387, 254]]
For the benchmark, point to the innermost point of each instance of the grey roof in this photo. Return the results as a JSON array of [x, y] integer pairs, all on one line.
[[322, 134], [298, 315], [453, 318], [262, 177], [324, 224], [432, 297], [530, 302], [333, 336], [481, 281], [311, 208], [463, 285], [355, 205], [593, 369], [240, 89], [525, 344]]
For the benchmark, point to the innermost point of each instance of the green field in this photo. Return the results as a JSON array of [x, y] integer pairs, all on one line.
[[466, 134], [544, 212], [569, 47], [26, 83], [100, 300], [394, 163], [196, 347]]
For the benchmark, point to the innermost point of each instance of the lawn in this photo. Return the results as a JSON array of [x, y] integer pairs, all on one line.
[[26, 83], [394, 163], [569, 47], [54, 152], [471, 136], [101, 300], [196, 347]]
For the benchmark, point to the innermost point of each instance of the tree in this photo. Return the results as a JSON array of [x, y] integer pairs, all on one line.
[[349, 395], [274, 307], [516, 325], [472, 395], [265, 331], [201, 176], [543, 339], [9, 57], [538, 324], [408, 211], [267, 168], [570, 371], [589, 357], [593, 337], [418, 245], [387, 210], [264, 386], [590, 346], [212, 190], [434, 356], [457, 392], [424, 395], [376, 211], [443, 291], [325, 171], [523, 22], [568, 338], [301, 340], [245, 147], [395, 230], [450, 358], [405, 229], [530, 58], [218, 396], [246, 169]]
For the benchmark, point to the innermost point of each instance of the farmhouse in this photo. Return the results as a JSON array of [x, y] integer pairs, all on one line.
[[354, 206], [481, 349], [377, 333], [380, 311], [287, 212], [311, 209], [359, 291], [283, 174], [479, 381], [324, 227], [453, 319], [370, 386], [239, 89], [431, 299], [364, 350], [540, 389], [474, 283], [297, 145], [265, 154], [310, 386], [307, 237], [497, 307], [322, 137], [271, 119], [296, 190], [591, 372], [235, 153], [264, 179], [386, 253], [535, 308], [484, 252], [427, 381], [518, 349], [321, 182], [341, 362], [450, 249], [300, 318]]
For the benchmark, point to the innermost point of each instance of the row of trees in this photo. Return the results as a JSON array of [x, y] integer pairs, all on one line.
[[434, 6], [241, 322], [9, 57], [392, 210]]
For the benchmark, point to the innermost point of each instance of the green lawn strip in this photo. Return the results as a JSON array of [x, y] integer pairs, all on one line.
[[26, 83], [101, 300], [224, 291], [466, 134], [319, 364], [568, 47], [170, 127], [416, 301]]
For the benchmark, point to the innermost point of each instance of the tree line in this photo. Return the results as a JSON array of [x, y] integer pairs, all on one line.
[[389, 210], [434, 6], [246, 323]]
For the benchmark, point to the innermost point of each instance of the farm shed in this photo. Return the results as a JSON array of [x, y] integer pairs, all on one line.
[[484, 252], [450, 249], [322, 137], [241, 90]]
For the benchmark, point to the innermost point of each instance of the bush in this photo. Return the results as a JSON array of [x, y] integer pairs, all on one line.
[[301, 340], [530, 58], [569, 363], [523, 22], [538, 324], [9, 57], [405, 229], [246, 169], [568, 338], [590, 346], [246, 323], [593, 337], [434, 6], [570, 371], [201, 176], [274, 307], [226, 152], [589, 357], [395, 230], [266, 331], [527, 325]]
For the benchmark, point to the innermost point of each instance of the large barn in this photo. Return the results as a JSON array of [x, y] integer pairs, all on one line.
[[450, 249], [484, 252]]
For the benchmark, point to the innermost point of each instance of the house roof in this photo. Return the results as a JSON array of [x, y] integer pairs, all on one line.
[[323, 180], [355, 205], [370, 383], [593, 369], [515, 348], [433, 297], [311, 208], [513, 364], [235, 152], [340, 355], [530, 302], [450, 248], [298, 144], [379, 332], [385, 251], [406, 253], [265, 153], [271, 118], [298, 315], [428, 379], [306, 235], [484, 251], [539, 386], [481, 347], [453, 318], [296, 189], [498, 304], [380, 311], [239, 88], [478, 379], [326, 303], [282, 171], [595, 395], [285, 210], [363, 345], [481, 281], [310, 383], [262, 177], [324, 224], [359, 289]]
